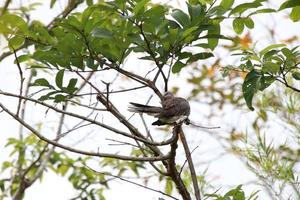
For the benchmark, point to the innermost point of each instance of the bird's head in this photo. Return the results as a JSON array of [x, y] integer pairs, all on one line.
[[168, 95]]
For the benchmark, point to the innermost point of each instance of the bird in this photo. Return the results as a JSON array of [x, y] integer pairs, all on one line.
[[174, 110]]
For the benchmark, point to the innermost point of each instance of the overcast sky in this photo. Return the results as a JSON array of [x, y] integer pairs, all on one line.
[[229, 170]]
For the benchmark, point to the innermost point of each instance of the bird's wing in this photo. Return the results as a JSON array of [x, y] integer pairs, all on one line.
[[175, 107]]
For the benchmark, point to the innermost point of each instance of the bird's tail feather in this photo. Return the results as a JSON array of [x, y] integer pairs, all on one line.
[[140, 108]]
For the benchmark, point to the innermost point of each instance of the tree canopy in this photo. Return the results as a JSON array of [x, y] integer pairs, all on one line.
[[74, 76]]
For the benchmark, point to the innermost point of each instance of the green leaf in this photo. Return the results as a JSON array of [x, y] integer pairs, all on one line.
[[59, 78], [289, 4], [71, 86], [178, 66], [139, 6], [265, 82], [22, 58], [213, 42], [52, 3], [270, 47], [226, 4], [245, 6], [181, 17], [295, 14], [216, 36], [200, 56], [287, 52], [270, 55], [4, 29], [14, 22], [89, 2], [249, 22], [262, 11], [59, 98], [63, 169], [169, 186], [189, 31], [194, 11], [296, 75], [270, 67], [250, 87], [6, 165], [238, 25], [236, 194], [16, 42], [41, 82], [101, 33], [2, 185]]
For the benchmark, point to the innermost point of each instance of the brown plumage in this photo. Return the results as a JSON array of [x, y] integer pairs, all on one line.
[[173, 110]]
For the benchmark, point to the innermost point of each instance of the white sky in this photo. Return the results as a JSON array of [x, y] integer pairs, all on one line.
[[228, 170]]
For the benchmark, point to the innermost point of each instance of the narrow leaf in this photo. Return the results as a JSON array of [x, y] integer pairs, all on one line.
[[243, 7], [270, 47], [262, 11], [200, 56], [182, 18], [101, 33], [59, 78], [289, 4], [52, 3], [250, 87]]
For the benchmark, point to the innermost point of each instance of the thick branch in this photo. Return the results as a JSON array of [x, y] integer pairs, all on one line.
[[172, 170], [191, 164]]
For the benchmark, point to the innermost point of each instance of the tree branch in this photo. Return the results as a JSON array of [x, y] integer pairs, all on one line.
[[191, 164], [105, 155], [131, 182], [172, 170], [5, 6]]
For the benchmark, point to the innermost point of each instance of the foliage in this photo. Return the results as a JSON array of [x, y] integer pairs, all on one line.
[[101, 39], [273, 63]]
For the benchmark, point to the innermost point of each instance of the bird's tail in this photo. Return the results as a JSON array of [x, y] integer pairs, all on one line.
[[140, 108]]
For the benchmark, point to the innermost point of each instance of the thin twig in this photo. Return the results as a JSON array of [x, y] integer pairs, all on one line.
[[97, 154], [181, 169], [21, 80], [135, 137], [131, 182]]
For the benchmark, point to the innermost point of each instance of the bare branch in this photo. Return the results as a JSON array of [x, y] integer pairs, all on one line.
[[172, 170], [138, 137], [191, 164], [21, 80], [131, 182], [105, 155]]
